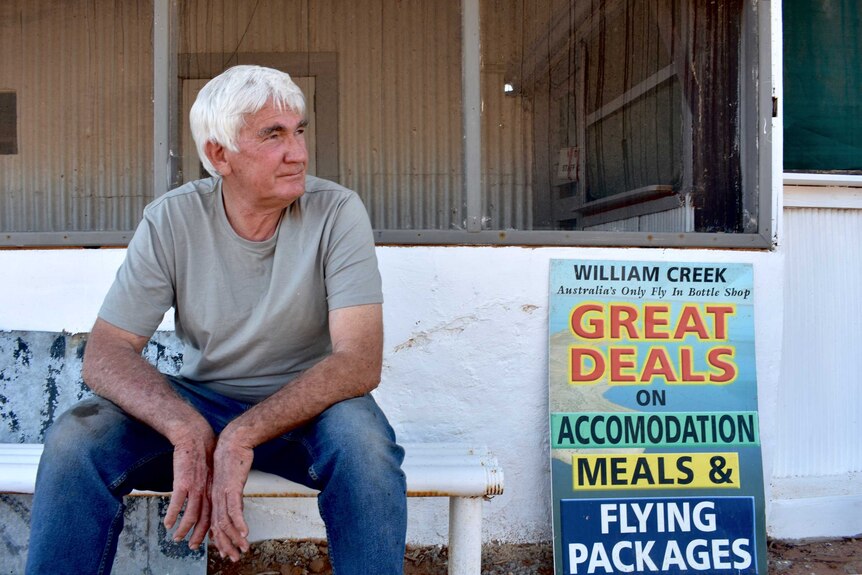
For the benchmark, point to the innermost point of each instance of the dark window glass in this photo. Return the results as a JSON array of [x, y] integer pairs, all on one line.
[[822, 86], [628, 115], [8, 123]]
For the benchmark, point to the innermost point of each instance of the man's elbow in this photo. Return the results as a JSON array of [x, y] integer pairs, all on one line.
[[370, 380], [107, 349], [367, 377], [93, 363]]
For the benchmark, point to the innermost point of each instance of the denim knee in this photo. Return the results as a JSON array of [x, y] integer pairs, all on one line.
[[354, 439], [78, 432], [96, 441], [363, 500]]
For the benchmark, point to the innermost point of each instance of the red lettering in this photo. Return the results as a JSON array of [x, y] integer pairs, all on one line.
[[686, 360], [579, 371], [623, 317], [654, 317], [619, 363], [690, 321], [658, 364], [715, 358], [719, 313], [596, 325]]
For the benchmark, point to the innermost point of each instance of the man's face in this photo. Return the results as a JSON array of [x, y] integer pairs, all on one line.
[[268, 171]]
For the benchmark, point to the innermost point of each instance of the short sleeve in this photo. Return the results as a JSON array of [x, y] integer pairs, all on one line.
[[350, 264], [143, 289]]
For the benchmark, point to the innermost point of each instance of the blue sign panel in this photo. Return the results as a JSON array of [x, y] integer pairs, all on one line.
[[654, 431], [659, 535]]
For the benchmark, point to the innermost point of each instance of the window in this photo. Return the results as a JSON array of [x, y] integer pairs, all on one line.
[[823, 86], [8, 123], [81, 75], [531, 122], [629, 116]]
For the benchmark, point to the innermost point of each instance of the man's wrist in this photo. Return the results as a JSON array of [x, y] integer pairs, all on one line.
[[238, 434], [189, 428]]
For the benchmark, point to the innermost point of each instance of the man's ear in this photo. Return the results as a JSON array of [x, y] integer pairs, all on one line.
[[216, 154]]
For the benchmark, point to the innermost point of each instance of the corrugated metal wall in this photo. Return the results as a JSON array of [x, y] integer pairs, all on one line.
[[681, 218], [820, 406], [399, 104], [83, 75], [507, 121]]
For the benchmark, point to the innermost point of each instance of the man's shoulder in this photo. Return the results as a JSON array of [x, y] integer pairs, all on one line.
[[322, 190], [198, 192], [325, 199]]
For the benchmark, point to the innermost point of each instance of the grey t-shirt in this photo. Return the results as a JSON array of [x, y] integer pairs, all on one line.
[[252, 315]]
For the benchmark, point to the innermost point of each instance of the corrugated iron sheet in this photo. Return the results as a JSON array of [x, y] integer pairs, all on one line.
[[399, 102], [819, 404], [82, 72], [83, 76], [681, 218]]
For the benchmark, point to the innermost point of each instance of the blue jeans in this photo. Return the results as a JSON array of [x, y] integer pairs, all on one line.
[[95, 454]]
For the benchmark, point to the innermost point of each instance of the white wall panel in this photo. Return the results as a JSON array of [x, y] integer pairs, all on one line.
[[820, 403]]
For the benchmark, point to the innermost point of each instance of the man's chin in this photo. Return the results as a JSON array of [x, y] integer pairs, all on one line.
[[290, 195]]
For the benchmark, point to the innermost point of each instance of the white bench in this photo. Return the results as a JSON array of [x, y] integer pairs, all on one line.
[[464, 474]]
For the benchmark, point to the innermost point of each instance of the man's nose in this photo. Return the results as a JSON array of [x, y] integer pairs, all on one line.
[[296, 151]]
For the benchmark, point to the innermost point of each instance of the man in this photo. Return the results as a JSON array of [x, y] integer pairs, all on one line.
[[277, 298]]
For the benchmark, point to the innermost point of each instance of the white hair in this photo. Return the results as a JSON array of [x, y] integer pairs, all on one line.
[[223, 103]]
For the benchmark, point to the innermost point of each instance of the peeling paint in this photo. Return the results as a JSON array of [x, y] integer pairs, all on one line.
[[135, 531], [15, 513], [22, 352], [8, 416], [55, 368], [422, 338], [12, 550], [170, 548], [51, 395], [58, 348], [79, 341], [40, 377], [165, 352], [13, 502]]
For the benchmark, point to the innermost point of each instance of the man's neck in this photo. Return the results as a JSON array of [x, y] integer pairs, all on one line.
[[250, 222]]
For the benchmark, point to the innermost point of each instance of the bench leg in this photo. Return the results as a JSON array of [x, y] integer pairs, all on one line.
[[465, 535]]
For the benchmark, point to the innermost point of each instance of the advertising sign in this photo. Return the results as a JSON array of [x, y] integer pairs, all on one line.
[[655, 442]]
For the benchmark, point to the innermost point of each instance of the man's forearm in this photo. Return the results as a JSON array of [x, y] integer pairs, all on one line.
[[353, 369], [338, 377], [342, 375], [114, 369]]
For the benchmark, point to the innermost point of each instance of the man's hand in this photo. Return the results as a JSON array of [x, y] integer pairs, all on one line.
[[231, 466], [113, 368], [351, 370], [193, 458]]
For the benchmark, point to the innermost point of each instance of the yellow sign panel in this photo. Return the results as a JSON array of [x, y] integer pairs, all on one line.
[[655, 471]]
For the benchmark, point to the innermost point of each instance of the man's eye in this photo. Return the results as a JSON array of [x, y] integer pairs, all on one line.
[[300, 131]]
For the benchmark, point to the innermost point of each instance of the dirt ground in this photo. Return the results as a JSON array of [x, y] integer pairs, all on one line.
[[840, 557]]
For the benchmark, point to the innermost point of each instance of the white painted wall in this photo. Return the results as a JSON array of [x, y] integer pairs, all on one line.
[[465, 358], [817, 471]]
